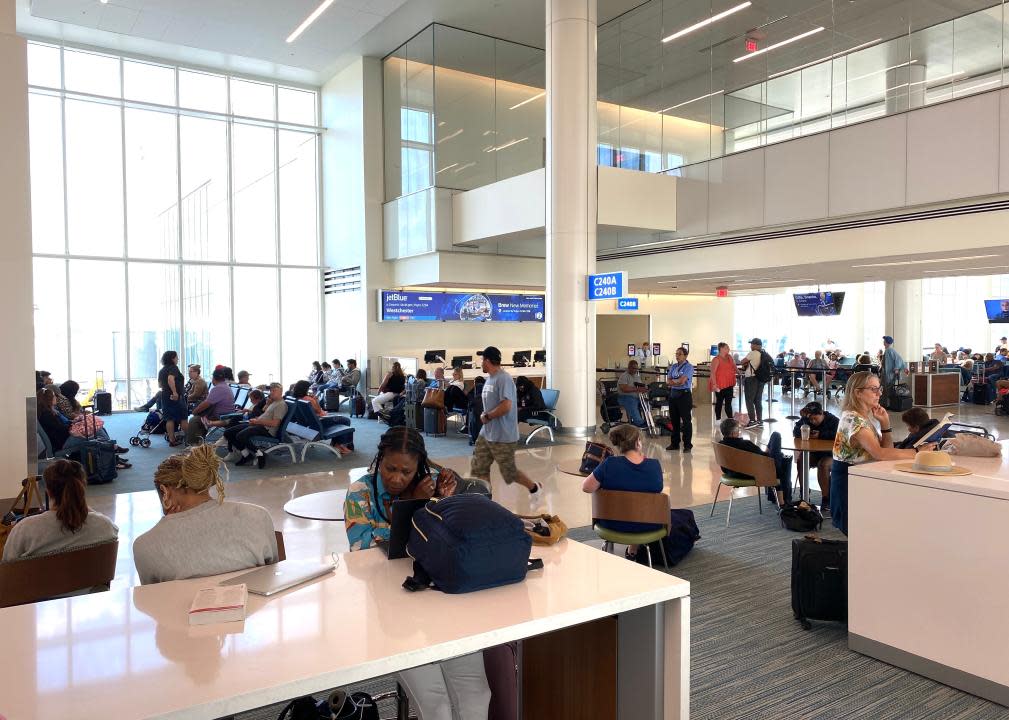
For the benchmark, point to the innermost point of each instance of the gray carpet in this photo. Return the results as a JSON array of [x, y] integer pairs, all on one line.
[[121, 426], [751, 659]]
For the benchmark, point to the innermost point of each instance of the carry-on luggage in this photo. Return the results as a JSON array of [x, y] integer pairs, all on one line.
[[99, 460], [982, 393], [683, 533], [359, 406], [434, 421], [103, 403], [331, 400], [819, 580], [898, 398]]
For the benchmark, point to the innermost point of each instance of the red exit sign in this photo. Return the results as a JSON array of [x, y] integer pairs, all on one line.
[[751, 45], [721, 292]]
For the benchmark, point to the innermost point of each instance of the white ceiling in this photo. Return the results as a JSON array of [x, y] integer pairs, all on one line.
[[248, 36]]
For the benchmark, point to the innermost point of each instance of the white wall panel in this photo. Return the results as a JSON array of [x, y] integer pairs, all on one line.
[[951, 150], [796, 178], [868, 166], [736, 187], [633, 199], [501, 208], [1003, 184], [692, 200]]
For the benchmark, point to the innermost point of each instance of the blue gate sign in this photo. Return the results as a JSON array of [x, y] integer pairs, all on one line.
[[627, 304], [607, 286]]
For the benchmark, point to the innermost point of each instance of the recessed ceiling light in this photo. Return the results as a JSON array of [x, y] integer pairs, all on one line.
[[705, 23], [309, 20], [687, 102], [949, 270], [700, 279], [925, 262], [827, 57], [528, 100], [777, 45]]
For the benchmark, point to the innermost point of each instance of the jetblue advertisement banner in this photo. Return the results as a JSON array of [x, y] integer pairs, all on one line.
[[466, 307]]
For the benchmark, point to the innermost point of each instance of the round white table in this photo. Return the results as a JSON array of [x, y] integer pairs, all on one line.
[[327, 505]]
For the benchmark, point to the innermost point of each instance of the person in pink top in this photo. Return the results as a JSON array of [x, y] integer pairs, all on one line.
[[723, 380]]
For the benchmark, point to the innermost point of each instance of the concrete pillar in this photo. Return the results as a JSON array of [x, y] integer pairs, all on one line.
[[571, 208], [903, 317], [17, 359]]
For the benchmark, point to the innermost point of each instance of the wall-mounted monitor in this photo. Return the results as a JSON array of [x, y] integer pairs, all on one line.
[[434, 356], [403, 306], [997, 310], [462, 361], [540, 356], [818, 304]]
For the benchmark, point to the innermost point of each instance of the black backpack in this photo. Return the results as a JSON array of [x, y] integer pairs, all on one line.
[[763, 371], [800, 516]]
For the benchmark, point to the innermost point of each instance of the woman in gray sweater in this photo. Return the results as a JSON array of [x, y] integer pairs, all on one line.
[[201, 535], [68, 524]]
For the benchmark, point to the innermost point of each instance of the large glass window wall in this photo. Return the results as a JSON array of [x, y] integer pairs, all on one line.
[[172, 209]]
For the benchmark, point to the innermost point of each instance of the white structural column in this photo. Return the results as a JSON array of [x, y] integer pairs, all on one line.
[[903, 317], [571, 208], [17, 358]]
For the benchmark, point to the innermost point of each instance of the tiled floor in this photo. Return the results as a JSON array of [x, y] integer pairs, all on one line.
[[691, 479]]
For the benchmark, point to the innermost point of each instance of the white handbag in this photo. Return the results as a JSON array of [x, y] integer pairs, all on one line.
[[971, 445]]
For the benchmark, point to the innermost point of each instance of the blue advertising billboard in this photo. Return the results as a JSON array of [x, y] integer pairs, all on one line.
[[397, 305]]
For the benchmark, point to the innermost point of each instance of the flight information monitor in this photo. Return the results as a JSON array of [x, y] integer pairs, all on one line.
[[818, 304]]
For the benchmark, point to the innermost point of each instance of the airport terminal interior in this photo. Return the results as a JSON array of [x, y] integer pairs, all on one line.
[[451, 293]]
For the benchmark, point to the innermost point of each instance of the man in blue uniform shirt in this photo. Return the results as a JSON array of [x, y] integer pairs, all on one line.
[[681, 402]]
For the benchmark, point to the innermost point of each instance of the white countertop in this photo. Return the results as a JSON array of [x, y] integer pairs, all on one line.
[[131, 653], [989, 478]]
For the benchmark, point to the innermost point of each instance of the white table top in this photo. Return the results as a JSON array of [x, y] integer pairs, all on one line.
[[990, 476], [131, 653], [325, 505]]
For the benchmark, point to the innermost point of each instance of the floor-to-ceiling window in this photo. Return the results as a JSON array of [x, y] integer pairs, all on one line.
[[172, 208]]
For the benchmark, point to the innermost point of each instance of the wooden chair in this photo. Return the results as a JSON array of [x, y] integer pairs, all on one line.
[[760, 468], [281, 554], [626, 506], [46, 576]]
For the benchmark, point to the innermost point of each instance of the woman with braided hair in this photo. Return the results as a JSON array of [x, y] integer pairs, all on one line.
[[201, 535], [455, 688], [401, 470]]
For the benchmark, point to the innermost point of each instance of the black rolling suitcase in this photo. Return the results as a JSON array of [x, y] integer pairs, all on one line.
[[331, 400], [103, 403], [819, 580], [982, 393], [434, 421], [358, 406], [898, 399]]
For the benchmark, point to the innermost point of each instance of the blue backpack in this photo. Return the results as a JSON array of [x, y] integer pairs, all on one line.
[[466, 542]]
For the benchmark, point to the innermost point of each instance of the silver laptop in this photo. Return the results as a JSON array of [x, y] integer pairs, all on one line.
[[272, 579]]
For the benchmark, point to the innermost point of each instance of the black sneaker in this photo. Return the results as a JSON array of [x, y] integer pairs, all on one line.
[[260, 460], [672, 447], [245, 460], [688, 448], [825, 508]]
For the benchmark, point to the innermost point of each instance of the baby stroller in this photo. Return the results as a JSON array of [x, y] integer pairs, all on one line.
[[154, 423]]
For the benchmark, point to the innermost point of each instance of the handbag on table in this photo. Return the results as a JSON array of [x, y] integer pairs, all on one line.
[[593, 456]]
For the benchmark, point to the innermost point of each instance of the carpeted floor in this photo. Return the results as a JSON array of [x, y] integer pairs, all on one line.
[[121, 426], [750, 658]]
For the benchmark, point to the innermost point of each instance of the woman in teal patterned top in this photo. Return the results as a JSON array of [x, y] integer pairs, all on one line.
[[863, 435]]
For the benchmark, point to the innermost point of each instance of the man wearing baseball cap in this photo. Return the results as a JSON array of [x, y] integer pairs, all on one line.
[[243, 378], [753, 381], [822, 426], [499, 435]]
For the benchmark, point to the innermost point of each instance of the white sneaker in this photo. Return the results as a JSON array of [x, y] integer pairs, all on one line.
[[222, 442], [233, 456]]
